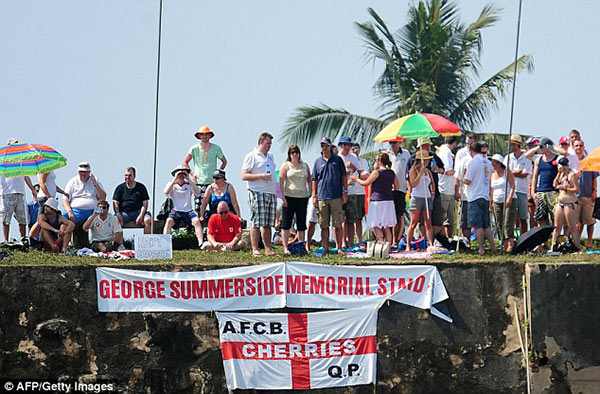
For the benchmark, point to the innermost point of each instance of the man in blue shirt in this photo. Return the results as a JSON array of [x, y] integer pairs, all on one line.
[[586, 196], [329, 193]]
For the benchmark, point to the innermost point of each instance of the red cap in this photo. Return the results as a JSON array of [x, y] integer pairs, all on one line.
[[563, 140]]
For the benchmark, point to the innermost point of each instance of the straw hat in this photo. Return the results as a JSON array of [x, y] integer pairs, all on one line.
[[422, 155], [423, 141], [516, 138], [204, 130]]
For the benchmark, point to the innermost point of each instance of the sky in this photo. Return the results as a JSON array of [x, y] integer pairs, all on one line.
[[80, 75]]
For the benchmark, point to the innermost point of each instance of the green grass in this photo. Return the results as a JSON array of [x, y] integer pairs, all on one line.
[[245, 258]]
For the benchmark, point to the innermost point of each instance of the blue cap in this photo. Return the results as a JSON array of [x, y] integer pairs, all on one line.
[[345, 140], [546, 142], [326, 140]]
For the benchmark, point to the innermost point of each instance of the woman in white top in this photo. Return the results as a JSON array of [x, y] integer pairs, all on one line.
[[505, 225], [48, 188], [420, 176], [294, 186]]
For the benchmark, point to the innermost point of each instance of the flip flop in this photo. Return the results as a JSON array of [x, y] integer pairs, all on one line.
[[256, 254]]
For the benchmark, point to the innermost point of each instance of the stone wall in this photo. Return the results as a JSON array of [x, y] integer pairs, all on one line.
[[50, 328], [566, 327]]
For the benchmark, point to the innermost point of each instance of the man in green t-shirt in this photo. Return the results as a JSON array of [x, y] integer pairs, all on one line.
[[205, 156]]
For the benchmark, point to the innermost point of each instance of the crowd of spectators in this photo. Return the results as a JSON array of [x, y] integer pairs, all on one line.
[[426, 189]]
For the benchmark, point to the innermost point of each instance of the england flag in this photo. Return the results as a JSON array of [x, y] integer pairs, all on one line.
[[269, 351]]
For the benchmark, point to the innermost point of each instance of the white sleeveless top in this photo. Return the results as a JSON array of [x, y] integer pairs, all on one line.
[[422, 189], [50, 185], [498, 189]]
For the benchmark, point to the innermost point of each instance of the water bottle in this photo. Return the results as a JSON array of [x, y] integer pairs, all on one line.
[[269, 171]]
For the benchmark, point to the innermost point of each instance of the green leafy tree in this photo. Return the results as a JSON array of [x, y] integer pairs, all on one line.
[[430, 66]]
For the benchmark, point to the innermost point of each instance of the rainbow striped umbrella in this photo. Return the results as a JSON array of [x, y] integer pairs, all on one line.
[[418, 125], [29, 159]]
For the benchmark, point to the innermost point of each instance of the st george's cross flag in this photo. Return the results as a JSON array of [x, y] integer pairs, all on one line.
[[269, 351]]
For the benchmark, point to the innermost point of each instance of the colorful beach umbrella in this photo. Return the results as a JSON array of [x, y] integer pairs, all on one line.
[[591, 161], [29, 159], [418, 125]]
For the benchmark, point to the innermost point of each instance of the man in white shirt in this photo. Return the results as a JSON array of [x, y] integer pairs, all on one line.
[[182, 189], [522, 168], [258, 168], [446, 185], [478, 179], [565, 149], [399, 158], [359, 190], [354, 209], [574, 136], [12, 199], [81, 196], [461, 195], [465, 152], [12, 202], [107, 234]]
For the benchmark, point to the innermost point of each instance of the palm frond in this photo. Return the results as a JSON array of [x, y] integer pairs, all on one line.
[[383, 29], [474, 108], [375, 36], [309, 124], [376, 48]]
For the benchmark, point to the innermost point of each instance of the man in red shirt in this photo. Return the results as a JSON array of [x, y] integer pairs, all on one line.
[[224, 231]]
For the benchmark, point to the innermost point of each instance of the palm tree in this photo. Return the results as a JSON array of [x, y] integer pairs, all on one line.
[[430, 65]]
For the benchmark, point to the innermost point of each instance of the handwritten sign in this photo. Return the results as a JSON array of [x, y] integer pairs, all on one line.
[[153, 246]]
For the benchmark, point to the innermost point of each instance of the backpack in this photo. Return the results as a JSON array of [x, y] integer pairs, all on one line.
[[165, 209]]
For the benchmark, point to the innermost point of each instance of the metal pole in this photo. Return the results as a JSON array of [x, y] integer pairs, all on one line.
[[156, 116], [512, 108]]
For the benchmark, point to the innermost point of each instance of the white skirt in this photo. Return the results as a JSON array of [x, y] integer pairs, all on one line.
[[381, 214]]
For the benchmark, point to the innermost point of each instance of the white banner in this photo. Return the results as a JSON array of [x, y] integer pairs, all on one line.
[[269, 351], [267, 286], [253, 287], [312, 285]]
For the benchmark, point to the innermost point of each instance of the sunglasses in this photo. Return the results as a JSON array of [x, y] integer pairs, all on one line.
[[325, 145], [295, 152], [223, 212], [102, 207]]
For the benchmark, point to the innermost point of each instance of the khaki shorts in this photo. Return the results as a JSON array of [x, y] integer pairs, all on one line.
[[585, 210], [354, 210], [448, 210], [13, 204], [330, 208]]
